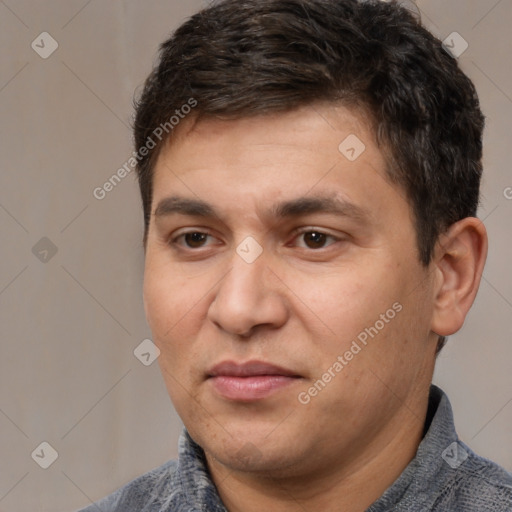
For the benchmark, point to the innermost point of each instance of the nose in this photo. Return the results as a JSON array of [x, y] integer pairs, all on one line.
[[249, 298]]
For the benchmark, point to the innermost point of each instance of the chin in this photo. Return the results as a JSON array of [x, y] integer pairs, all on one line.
[[251, 452]]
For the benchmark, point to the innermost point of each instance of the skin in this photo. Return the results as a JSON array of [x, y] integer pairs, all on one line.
[[299, 305]]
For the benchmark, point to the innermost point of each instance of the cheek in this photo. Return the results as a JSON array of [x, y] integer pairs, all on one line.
[[175, 310], [170, 301], [173, 315], [348, 299], [373, 322]]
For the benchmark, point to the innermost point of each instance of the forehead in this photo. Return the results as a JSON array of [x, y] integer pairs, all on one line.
[[314, 127], [323, 149]]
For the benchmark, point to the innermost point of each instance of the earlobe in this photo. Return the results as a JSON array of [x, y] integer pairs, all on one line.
[[459, 262]]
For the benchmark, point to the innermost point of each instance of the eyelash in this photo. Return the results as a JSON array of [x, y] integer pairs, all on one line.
[[310, 230], [174, 240], [303, 231]]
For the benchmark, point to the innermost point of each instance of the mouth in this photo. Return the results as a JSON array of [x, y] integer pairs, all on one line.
[[250, 381]]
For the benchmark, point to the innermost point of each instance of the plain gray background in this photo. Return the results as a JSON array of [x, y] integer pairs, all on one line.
[[70, 321]]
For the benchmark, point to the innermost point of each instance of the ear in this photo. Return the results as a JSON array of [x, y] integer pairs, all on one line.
[[459, 259]]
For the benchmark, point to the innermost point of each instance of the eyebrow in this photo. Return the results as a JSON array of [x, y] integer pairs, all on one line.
[[184, 206], [319, 204], [286, 209]]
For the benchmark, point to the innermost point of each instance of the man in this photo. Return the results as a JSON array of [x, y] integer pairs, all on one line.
[[310, 175]]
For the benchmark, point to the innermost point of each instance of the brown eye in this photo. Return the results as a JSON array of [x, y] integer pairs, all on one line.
[[195, 240], [314, 239]]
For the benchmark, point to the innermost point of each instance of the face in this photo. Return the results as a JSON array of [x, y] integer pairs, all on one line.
[[284, 290]]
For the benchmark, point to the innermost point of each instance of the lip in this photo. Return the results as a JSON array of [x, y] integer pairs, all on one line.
[[249, 369], [250, 381]]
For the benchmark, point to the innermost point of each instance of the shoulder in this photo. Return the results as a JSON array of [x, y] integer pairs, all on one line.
[[141, 494], [476, 485]]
